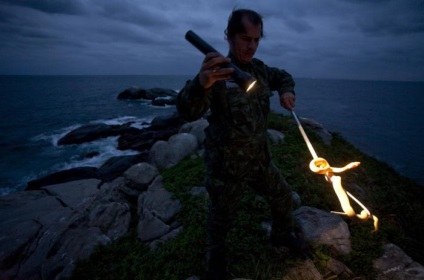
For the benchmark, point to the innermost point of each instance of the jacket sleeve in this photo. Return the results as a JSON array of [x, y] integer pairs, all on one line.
[[280, 80], [193, 100]]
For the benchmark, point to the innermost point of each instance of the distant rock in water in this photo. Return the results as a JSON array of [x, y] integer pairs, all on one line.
[[158, 96]]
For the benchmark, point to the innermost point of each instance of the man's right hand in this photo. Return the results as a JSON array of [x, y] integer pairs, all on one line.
[[211, 71]]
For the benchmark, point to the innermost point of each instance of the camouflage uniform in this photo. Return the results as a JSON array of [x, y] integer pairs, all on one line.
[[236, 148]]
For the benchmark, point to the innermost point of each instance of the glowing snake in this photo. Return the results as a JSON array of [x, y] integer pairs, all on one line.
[[321, 166]]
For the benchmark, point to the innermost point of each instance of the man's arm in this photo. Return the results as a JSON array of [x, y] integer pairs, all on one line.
[[283, 83]]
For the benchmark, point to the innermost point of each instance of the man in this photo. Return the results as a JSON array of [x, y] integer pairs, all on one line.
[[236, 149]]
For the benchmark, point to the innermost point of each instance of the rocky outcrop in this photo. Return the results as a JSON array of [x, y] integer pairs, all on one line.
[[161, 128], [44, 232], [168, 153], [395, 264], [157, 96]]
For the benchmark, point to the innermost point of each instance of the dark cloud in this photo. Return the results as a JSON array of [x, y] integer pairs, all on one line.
[[50, 6], [342, 39]]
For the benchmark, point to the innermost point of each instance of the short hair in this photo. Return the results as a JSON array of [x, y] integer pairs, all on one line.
[[235, 24]]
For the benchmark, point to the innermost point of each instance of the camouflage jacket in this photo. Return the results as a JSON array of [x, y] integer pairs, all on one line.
[[235, 116]]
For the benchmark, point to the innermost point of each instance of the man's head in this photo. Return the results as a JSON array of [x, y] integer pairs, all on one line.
[[244, 30]]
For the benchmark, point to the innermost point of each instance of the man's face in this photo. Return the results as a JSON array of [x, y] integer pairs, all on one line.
[[243, 45]]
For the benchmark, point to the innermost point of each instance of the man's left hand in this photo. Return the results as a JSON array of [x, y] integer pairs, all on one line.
[[287, 100]]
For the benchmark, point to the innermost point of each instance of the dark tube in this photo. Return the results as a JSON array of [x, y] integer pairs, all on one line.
[[243, 79]]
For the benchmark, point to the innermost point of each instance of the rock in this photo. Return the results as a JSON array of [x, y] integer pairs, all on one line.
[[154, 94], [166, 122], [63, 176], [297, 201], [116, 166], [161, 128], [303, 270], [74, 244], [318, 129], [395, 264], [340, 269], [91, 132], [159, 201], [324, 228], [197, 128], [156, 210], [22, 232], [167, 154], [132, 93], [150, 227], [75, 193], [44, 232], [140, 176], [144, 140], [275, 136]]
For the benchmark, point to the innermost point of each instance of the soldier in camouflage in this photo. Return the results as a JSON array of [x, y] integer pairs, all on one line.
[[236, 148]]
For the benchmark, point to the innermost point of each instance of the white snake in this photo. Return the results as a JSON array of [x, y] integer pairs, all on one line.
[[321, 166]]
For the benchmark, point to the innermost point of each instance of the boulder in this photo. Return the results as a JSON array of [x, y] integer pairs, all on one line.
[[275, 136], [318, 128], [161, 128], [166, 122], [140, 176], [395, 264], [132, 93], [197, 128], [148, 94], [324, 228], [156, 209], [303, 270], [167, 154], [116, 166]]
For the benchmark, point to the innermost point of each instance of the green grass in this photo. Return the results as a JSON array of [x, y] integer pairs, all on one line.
[[396, 200]]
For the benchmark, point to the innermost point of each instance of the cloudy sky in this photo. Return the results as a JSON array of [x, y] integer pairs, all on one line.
[[349, 39]]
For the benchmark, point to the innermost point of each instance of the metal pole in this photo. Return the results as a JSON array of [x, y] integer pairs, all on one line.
[[305, 137]]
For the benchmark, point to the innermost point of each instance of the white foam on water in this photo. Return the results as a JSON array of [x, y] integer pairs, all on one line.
[[104, 149]]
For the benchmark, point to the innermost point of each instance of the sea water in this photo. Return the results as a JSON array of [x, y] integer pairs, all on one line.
[[383, 119]]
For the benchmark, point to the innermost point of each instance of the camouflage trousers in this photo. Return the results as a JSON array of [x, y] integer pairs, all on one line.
[[230, 170]]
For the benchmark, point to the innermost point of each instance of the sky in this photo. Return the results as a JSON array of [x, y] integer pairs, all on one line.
[[331, 39]]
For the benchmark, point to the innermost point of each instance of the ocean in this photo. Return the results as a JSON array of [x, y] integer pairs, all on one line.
[[381, 118]]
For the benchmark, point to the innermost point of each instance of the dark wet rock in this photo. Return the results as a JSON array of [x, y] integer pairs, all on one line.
[[134, 93], [161, 128], [91, 132]]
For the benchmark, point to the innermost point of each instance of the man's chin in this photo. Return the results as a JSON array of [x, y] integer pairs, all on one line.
[[247, 59]]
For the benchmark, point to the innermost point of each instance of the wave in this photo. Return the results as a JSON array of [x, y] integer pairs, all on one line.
[[94, 154], [54, 136]]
